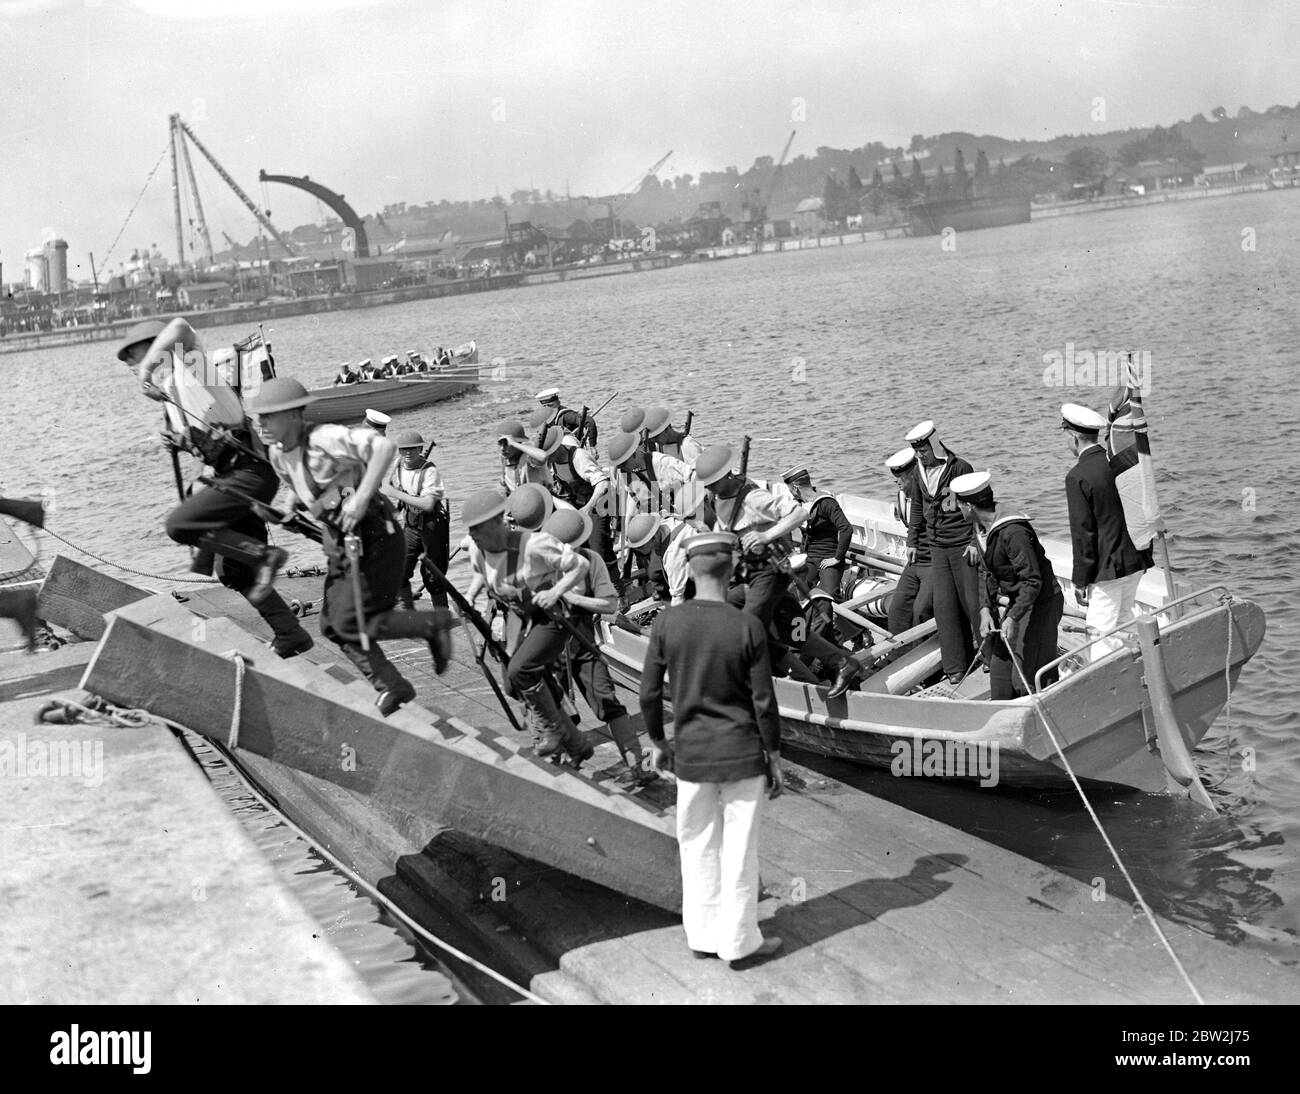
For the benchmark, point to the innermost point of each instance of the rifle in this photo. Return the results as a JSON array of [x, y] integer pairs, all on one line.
[[686, 425], [293, 522], [744, 456], [582, 426]]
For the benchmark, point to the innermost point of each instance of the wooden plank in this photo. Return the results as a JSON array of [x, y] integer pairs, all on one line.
[[298, 715], [77, 598]]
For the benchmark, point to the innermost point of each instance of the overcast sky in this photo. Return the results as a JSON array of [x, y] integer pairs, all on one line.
[[399, 100]]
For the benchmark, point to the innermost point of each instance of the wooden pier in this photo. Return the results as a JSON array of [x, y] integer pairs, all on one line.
[[875, 903]]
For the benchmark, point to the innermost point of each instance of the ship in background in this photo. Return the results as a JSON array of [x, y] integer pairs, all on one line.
[[930, 218]]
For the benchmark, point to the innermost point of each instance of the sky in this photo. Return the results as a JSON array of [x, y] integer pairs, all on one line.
[[412, 100]]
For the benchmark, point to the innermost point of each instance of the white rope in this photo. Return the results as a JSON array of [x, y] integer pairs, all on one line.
[[237, 713], [1146, 908]]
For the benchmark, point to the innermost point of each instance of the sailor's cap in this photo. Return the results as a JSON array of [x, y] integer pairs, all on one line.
[[967, 486], [481, 506], [710, 543], [798, 473], [345, 364], [363, 362], [510, 428], [377, 417], [390, 359], [278, 393], [529, 506], [656, 420], [621, 447], [641, 528], [922, 431], [550, 394], [413, 353], [631, 420], [145, 331], [409, 438], [714, 463], [902, 459], [1081, 419], [571, 526]]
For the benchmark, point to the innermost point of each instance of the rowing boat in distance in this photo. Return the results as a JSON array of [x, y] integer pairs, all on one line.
[[349, 402], [906, 717]]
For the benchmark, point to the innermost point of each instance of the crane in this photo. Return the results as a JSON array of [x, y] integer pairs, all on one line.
[[758, 210], [613, 206]]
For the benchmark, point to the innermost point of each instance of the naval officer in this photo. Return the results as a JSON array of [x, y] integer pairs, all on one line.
[[1107, 565], [1013, 565]]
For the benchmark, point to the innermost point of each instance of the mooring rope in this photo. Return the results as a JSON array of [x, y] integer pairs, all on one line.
[[128, 569], [1146, 908], [237, 711]]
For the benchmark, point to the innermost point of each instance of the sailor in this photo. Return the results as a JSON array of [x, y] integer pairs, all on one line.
[[527, 574], [826, 538], [1107, 564], [388, 367], [570, 421], [648, 481], [367, 370], [415, 488], [377, 420], [578, 479], [347, 374], [662, 436], [404, 367], [953, 552], [912, 601], [596, 596], [1015, 566], [208, 421], [335, 474], [415, 359], [725, 747]]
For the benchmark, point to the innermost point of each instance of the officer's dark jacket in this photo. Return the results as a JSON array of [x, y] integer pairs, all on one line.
[[1103, 550], [1015, 563], [937, 520]]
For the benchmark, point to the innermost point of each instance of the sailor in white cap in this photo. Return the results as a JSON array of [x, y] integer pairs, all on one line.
[[377, 420], [347, 374], [912, 602], [388, 367], [416, 362], [826, 538], [1014, 567], [367, 369], [527, 574], [1107, 564], [953, 553], [415, 488], [554, 415], [336, 474], [725, 749], [206, 418]]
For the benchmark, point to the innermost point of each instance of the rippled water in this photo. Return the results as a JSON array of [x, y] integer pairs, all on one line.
[[830, 356]]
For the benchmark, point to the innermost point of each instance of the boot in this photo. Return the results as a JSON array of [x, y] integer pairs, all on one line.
[[394, 689], [267, 569], [554, 730], [290, 637], [848, 675], [624, 734], [434, 627], [20, 606]]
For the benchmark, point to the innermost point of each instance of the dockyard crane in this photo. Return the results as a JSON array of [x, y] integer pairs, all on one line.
[[615, 204], [763, 195]]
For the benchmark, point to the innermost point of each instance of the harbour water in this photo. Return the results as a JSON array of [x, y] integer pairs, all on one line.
[[828, 357]]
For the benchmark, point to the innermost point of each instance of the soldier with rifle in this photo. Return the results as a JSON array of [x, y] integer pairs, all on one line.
[[415, 488], [663, 437], [205, 417], [335, 474]]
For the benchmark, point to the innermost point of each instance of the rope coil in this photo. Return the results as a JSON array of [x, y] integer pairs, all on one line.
[[237, 710]]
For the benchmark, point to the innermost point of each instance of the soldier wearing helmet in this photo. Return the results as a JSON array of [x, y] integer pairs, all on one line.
[[415, 488]]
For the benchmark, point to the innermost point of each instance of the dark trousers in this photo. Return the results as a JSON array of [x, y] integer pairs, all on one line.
[[956, 607], [433, 541], [601, 541], [591, 674], [1035, 646], [765, 588], [540, 648], [382, 552], [227, 527], [912, 601]]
